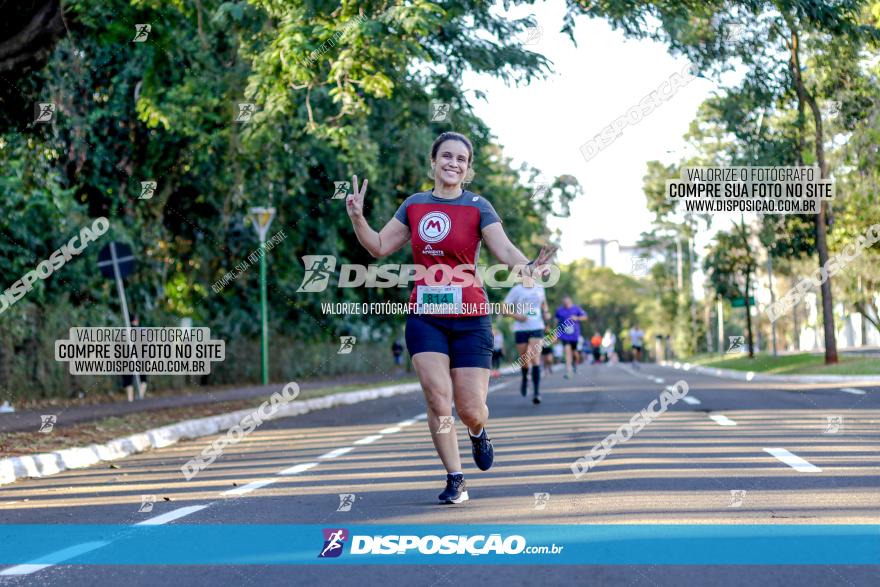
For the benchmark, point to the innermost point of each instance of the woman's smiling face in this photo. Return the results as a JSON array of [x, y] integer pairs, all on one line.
[[451, 163]]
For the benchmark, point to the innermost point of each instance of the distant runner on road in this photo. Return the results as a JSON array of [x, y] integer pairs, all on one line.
[[609, 344], [569, 316], [497, 351], [596, 345], [529, 310], [451, 352], [636, 338], [547, 349]]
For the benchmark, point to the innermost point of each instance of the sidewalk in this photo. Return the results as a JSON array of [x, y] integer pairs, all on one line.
[[29, 420], [765, 378], [51, 462]]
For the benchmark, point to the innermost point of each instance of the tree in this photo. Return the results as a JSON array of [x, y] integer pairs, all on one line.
[[729, 267], [719, 35], [336, 91]]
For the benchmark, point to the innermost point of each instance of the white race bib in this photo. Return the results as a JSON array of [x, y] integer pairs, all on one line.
[[438, 299]]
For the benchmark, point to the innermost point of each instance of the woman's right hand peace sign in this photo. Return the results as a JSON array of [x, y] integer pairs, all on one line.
[[354, 203]]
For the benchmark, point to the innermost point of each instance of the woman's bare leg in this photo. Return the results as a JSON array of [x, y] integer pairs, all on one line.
[[434, 375]]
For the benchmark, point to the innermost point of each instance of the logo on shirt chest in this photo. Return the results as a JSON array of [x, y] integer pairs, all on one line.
[[429, 250], [434, 227]]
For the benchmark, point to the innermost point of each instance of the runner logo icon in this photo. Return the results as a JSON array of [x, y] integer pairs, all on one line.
[[319, 268], [334, 540], [434, 226]]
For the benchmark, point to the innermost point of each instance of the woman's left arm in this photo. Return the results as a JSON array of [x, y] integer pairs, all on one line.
[[506, 252], [501, 247]]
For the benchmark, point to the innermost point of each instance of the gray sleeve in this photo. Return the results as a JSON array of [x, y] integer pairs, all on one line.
[[401, 213], [488, 215]]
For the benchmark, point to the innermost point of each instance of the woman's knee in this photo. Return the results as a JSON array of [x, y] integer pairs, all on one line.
[[438, 396], [472, 414]]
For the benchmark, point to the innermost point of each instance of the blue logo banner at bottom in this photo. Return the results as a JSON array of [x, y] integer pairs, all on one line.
[[606, 544]]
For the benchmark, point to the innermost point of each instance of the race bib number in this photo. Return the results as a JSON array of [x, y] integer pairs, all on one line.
[[438, 299]]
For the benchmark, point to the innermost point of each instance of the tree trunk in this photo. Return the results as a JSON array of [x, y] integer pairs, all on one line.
[[821, 230], [749, 313]]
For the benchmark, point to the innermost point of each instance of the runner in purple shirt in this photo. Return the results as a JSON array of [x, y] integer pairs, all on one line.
[[568, 317]]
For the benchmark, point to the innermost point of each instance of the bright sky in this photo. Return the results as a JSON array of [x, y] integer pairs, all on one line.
[[546, 123]]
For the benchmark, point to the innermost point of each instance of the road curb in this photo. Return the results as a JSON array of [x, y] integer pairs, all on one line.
[[764, 378], [45, 464]]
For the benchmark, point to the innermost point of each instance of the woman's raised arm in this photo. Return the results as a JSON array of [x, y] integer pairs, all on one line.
[[379, 244]]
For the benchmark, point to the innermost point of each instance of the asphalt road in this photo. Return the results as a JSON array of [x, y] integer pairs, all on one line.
[[729, 453]]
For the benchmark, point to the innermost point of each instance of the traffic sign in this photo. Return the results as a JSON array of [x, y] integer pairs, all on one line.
[[261, 218], [116, 261], [119, 254], [741, 302]]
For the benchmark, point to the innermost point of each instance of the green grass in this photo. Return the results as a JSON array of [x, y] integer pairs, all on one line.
[[321, 391], [796, 364]]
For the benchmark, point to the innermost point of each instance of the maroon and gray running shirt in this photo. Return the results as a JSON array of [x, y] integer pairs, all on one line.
[[447, 232]]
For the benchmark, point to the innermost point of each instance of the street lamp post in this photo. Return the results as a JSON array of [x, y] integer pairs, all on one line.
[[262, 218], [602, 242]]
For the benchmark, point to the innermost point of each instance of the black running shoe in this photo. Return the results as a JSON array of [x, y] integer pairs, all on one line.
[[536, 400], [524, 388], [456, 490], [484, 454]]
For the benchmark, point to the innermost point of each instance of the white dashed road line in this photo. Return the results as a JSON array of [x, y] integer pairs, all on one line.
[[172, 515], [690, 400], [853, 390], [793, 461], [245, 489], [722, 420], [297, 469], [368, 439], [53, 558], [337, 452], [390, 430]]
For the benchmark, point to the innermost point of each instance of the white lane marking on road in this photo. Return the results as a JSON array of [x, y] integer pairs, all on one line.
[[253, 485], [409, 422], [853, 390], [53, 558], [25, 569], [337, 452], [390, 430], [422, 417], [171, 516], [368, 439], [690, 400], [793, 461], [297, 468], [722, 420], [659, 380]]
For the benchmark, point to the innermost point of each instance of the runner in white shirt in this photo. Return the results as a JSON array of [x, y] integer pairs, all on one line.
[[636, 337], [528, 306]]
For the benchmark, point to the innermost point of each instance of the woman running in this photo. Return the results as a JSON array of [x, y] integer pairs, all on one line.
[[451, 352]]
